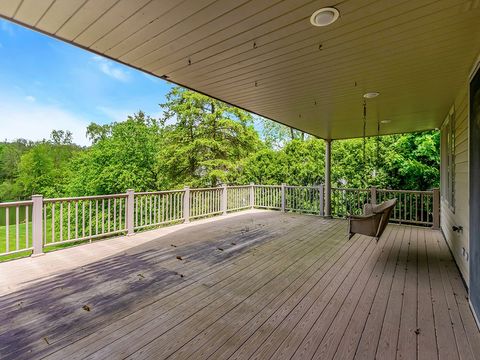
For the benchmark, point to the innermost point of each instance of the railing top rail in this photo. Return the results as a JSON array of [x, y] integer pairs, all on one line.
[[302, 186], [349, 189], [16, 203], [238, 186], [272, 186], [407, 191], [159, 192], [206, 189], [79, 198]]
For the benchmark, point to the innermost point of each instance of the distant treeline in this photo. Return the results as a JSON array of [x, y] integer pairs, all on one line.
[[203, 142]]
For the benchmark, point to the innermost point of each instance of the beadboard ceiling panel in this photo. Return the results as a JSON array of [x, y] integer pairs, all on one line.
[[265, 56]]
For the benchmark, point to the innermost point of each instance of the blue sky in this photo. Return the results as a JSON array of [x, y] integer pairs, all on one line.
[[47, 84]]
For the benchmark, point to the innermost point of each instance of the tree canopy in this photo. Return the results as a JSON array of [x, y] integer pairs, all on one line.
[[199, 141]]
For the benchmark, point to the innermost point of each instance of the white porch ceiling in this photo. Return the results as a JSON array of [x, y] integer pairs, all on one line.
[[266, 57]]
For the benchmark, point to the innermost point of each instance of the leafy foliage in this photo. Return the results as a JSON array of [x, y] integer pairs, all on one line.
[[206, 141], [200, 141], [121, 158]]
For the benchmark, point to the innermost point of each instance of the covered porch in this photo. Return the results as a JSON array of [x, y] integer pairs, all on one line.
[[255, 284], [264, 284]]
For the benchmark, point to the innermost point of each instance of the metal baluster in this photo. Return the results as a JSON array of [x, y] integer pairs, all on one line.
[[140, 200], [61, 220], [68, 219], [103, 216], [150, 210], [96, 217], [27, 226], [109, 214], [136, 210], [17, 232], [90, 218], [76, 219], [53, 222], [44, 223], [115, 214], [7, 229], [83, 218]]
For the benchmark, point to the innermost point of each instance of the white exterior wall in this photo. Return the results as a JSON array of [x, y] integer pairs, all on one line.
[[459, 216]]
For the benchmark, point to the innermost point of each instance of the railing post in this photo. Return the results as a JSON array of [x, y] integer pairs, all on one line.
[[328, 185], [321, 206], [373, 195], [37, 225], [186, 205], [252, 195], [436, 209], [224, 199], [130, 211], [283, 197]]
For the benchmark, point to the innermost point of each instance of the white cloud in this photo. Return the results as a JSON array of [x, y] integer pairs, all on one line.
[[115, 114], [20, 118], [109, 68], [30, 98], [5, 26]]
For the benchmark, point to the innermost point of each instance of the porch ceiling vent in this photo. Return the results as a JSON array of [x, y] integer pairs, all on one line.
[[324, 16]]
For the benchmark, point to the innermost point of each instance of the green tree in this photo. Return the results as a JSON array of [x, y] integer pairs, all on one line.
[[123, 157], [44, 168], [204, 140]]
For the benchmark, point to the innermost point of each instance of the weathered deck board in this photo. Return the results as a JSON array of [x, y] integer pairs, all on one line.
[[258, 285]]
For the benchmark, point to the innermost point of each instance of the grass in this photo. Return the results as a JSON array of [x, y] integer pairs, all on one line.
[[22, 239]]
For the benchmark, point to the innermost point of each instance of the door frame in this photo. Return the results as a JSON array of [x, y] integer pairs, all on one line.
[[474, 72]]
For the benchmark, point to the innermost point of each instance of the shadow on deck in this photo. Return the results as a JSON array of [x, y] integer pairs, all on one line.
[[254, 285]]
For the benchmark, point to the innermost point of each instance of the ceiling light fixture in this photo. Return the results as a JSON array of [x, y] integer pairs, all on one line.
[[324, 16], [371, 95], [386, 121]]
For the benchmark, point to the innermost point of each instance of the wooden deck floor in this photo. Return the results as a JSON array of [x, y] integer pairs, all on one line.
[[254, 286]]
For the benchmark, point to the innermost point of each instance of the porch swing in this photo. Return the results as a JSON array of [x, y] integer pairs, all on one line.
[[375, 217]]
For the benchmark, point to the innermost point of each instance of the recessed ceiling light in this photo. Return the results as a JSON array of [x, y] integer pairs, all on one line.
[[386, 121], [324, 16], [371, 95]]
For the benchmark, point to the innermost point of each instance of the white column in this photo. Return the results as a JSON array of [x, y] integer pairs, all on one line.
[[186, 205], [373, 195], [252, 195], [283, 197], [130, 211], [224, 199], [328, 186], [37, 225]]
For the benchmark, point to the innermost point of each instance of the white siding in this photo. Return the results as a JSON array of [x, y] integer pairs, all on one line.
[[458, 242]]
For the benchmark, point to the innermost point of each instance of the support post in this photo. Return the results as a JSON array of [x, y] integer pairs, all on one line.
[[252, 195], [186, 205], [224, 199], [283, 197], [130, 212], [373, 195], [436, 209], [328, 186], [321, 203], [37, 225]]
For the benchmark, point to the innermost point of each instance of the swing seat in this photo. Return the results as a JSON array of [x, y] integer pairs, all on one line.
[[373, 221]]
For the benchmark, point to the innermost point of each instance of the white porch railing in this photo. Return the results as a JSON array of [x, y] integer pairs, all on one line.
[[32, 226]]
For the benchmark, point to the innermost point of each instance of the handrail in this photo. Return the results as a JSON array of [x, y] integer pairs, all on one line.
[[83, 198], [32, 225], [16, 203], [159, 192]]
